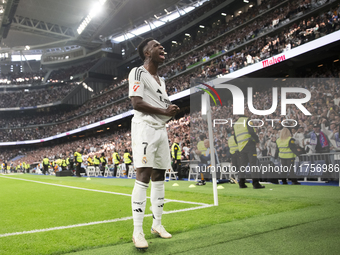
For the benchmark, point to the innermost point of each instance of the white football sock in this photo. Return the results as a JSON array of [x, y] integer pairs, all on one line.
[[138, 201], [157, 201]]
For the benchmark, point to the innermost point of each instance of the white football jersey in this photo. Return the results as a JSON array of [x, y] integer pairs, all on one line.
[[142, 84]]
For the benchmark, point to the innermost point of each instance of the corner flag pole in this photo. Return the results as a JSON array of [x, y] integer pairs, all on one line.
[[206, 114]]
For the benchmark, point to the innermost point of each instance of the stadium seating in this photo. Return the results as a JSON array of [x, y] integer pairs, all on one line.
[[175, 85]]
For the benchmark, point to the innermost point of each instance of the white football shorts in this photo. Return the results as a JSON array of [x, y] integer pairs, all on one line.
[[150, 146]]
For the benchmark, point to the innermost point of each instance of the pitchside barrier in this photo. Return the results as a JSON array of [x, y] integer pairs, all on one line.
[[311, 167]]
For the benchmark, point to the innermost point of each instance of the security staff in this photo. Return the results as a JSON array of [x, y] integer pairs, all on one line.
[[68, 162], [96, 160], [63, 164], [58, 162], [5, 167], [89, 160], [24, 167], [116, 160], [246, 139], [127, 159], [46, 163], [78, 159], [235, 154], [176, 155], [71, 160], [287, 150], [103, 162]]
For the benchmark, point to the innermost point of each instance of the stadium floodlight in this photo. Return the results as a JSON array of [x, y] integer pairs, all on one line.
[[246, 1], [87, 87], [251, 6], [187, 35], [174, 42], [223, 14], [95, 10], [240, 12], [201, 26], [27, 47]]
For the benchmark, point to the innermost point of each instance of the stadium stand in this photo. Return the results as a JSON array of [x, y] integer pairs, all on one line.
[[35, 97], [111, 100], [103, 106], [189, 127], [22, 78]]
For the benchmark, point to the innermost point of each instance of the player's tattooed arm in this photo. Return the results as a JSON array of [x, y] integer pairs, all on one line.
[[140, 105]]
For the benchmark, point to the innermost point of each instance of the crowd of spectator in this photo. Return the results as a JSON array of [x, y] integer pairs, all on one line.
[[324, 118], [102, 106], [35, 97], [65, 74], [264, 47], [32, 97], [13, 78], [87, 108], [103, 143], [324, 108], [299, 33]]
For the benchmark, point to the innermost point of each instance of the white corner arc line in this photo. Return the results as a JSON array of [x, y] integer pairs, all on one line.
[[101, 191], [97, 222], [201, 206]]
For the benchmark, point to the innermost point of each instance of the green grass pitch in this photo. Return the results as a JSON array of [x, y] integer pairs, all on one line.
[[79, 216]]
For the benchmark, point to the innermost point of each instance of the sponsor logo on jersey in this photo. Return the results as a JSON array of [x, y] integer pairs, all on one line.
[[135, 87], [164, 100]]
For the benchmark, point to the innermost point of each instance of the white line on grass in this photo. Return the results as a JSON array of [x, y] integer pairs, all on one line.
[[97, 222], [101, 191], [201, 206]]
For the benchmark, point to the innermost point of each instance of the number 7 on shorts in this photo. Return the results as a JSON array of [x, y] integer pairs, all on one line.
[[146, 145]]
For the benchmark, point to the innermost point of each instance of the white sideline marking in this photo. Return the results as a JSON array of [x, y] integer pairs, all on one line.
[[96, 222], [101, 191], [201, 206]]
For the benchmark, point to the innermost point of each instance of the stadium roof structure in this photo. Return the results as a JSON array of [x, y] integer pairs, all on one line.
[[49, 23]]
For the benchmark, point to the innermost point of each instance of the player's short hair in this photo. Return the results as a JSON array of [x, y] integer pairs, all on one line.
[[141, 46]]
